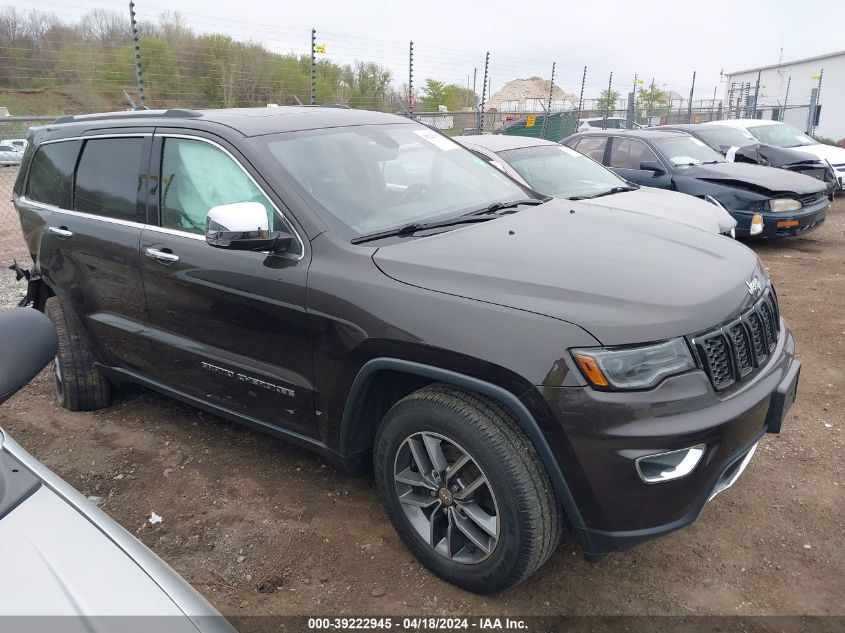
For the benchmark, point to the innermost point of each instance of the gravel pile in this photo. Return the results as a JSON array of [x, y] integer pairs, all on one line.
[[11, 291]]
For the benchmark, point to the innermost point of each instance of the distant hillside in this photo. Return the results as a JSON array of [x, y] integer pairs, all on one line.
[[51, 66]]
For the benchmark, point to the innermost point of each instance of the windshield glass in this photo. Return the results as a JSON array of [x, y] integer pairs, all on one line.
[[781, 135], [723, 136], [374, 178], [684, 151], [558, 171]]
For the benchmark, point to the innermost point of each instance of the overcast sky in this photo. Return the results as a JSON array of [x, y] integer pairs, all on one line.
[[665, 39]]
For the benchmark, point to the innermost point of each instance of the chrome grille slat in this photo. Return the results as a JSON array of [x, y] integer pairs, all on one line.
[[731, 352]]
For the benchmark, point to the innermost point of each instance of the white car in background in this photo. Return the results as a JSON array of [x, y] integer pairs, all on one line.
[[784, 135], [611, 123], [9, 154], [555, 170]]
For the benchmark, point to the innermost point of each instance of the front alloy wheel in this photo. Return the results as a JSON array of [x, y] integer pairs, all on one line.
[[465, 488], [446, 497]]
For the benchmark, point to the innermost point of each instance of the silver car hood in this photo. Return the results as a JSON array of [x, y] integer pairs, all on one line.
[[61, 555], [670, 205]]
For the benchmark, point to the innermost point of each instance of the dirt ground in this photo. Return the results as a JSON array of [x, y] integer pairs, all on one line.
[[262, 527]]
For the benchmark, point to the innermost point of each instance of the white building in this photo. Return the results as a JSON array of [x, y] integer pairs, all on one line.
[[804, 74]]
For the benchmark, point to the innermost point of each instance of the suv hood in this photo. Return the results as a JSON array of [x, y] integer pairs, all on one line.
[[757, 178], [669, 205], [624, 277]]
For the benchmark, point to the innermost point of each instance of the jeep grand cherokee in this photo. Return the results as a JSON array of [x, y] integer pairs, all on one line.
[[362, 285]]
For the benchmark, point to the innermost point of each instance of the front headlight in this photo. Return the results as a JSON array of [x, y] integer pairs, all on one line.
[[633, 367], [780, 205]]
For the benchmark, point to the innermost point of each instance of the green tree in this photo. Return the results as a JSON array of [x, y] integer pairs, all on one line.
[[434, 95], [651, 102], [607, 99]]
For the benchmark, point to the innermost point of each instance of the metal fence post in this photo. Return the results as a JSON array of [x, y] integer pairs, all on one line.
[[811, 114], [634, 99], [756, 93], [411, 79], [581, 98], [785, 99], [313, 66], [139, 75], [689, 106], [607, 101], [549, 108], [483, 94]]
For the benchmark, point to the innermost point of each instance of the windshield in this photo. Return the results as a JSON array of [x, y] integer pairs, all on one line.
[[374, 178], [723, 136], [558, 171], [684, 151], [781, 135]]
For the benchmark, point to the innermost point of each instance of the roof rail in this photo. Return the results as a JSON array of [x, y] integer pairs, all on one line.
[[178, 113]]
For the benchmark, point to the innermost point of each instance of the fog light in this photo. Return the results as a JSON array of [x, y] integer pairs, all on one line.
[[662, 467]]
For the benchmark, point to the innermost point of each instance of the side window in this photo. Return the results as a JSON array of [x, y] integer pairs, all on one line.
[[108, 177], [196, 176], [51, 173], [630, 154], [593, 147]]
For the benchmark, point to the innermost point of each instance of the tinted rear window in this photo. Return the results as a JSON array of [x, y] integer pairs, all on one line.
[[108, 178], [51, 173]]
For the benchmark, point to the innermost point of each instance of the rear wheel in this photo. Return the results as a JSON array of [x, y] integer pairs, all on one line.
[[79, 384], [465, 488]]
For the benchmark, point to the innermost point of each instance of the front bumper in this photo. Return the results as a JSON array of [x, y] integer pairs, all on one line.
[[607, 432], [800, 222]]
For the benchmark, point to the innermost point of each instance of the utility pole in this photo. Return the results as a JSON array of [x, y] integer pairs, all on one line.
[[313, 66], [411, 79], [549, 108], [139, 75], [633, 107]]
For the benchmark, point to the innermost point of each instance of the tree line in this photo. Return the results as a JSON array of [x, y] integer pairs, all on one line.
[[93, 59]]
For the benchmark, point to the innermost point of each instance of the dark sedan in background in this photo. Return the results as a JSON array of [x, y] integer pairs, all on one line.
[[739, 146], [791, 204]]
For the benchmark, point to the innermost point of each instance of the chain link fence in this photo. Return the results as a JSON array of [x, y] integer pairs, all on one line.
[[13, 130]]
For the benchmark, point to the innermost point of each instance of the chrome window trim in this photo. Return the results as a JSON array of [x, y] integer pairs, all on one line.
[[95, 136], [290, 224], [80, 214]]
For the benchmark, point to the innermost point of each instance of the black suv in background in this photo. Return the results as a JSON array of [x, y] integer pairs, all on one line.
[[362, 285], [791, 204]]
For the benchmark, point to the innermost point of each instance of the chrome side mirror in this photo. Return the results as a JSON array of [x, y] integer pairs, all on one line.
[[243, 226]]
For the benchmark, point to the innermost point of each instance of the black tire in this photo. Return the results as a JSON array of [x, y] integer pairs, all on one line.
[[529, 518], [80, 386]]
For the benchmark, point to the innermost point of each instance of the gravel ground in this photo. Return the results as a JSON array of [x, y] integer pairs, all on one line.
[[11, 291], [262, 527]]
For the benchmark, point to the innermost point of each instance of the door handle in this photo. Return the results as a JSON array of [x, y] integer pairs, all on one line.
[[161, 256], [60, 232]]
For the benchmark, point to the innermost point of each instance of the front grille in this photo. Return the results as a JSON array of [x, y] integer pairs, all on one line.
[[731, 352], [819, 173], [811, 199]]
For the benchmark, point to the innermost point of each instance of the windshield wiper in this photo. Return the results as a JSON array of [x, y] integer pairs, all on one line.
[[501, 206], [610, 191], [414, 227]]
